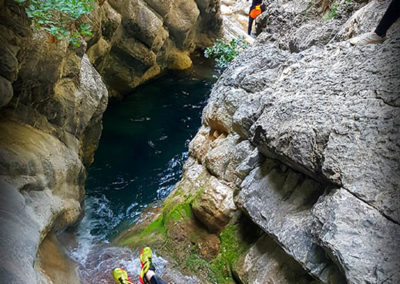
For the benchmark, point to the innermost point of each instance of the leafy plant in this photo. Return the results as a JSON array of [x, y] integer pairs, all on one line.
[[333, 12], [59, 17], [224, 52]]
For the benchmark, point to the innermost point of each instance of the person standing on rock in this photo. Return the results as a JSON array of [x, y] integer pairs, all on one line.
[[255, 11], [391, 15]]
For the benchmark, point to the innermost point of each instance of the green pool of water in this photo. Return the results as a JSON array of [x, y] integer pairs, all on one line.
[[142, 149]]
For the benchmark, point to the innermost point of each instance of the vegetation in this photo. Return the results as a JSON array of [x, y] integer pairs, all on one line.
[[224, 52], [333, 12], [59, 17], [232, 246], [177, 234]]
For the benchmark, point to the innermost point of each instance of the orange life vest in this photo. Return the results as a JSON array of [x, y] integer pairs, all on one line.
[[255, 12]]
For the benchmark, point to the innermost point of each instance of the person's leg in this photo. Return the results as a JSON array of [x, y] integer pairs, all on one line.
[[250, 25], [156, 280], [391, 15]]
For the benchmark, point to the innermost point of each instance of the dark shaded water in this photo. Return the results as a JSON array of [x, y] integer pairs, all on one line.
[[140, 156]]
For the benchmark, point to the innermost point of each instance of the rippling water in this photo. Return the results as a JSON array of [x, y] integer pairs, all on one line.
[[139, 160]]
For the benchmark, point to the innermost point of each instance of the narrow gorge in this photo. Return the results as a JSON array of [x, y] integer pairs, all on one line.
[[290, 175]]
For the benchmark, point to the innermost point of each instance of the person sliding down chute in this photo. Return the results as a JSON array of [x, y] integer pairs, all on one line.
[[255, 11]]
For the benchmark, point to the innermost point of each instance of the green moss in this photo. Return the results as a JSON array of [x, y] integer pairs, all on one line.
[[232, 246], [153, 233], [195, 264], [181, 211]]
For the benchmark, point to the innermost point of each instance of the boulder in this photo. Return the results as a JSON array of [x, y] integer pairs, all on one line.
[[214, 207], [324, 129]]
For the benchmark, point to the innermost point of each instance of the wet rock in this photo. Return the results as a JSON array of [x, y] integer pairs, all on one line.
[[55, 264], [45, 144], [19, 235], [359, 238]]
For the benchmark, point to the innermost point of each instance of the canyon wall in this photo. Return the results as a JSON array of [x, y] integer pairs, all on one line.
[[51, 105], [297, 159], [135, 41], [320, 170]]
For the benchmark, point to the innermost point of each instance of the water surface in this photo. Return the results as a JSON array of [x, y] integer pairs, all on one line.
[[141, 153]]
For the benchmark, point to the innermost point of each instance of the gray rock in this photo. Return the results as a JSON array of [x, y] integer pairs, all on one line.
[[266, 262], [313, 34], [19, 235], [363, 20], [279, 200], [324, 128], [6, 91], [364, 243]]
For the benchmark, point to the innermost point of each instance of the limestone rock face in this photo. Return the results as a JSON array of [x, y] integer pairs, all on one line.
[[370, 240], [279, 201], [214, 207], [136, 40], [50, 125], [266, 262], [320, 119], [288, 23]]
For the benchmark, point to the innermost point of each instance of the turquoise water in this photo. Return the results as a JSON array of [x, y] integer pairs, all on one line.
[[142, 150]]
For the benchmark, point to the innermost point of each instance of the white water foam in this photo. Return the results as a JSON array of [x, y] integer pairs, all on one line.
[[98, 220]]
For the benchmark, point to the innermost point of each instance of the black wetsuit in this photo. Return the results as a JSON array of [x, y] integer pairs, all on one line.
[[254, 3], [391, 15], [156, 280]]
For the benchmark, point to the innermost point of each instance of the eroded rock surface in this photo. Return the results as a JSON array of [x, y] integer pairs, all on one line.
[[50, 124], [135, 41], [321, 118]]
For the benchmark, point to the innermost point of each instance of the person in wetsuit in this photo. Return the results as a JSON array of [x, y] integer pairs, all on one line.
[[254, 3]]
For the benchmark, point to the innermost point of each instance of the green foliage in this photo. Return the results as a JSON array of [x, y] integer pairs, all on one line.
[[224, 52], [232, 246], [333, 12], [59, 17]]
